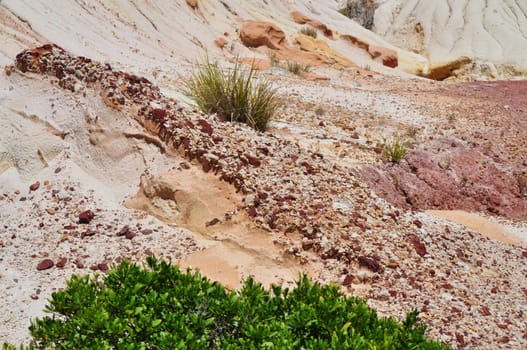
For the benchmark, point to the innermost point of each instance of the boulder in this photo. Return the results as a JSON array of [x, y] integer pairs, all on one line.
[[255, 34]]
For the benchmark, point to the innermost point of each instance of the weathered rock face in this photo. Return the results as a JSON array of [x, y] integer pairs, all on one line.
[[255, 34], [453, 177], [387, 56], [443, 71], [300, 18]]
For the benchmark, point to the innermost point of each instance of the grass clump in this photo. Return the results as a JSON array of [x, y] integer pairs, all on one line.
[[297, 68], [309, 31], [234, 94], [395, 149], [156, 306]]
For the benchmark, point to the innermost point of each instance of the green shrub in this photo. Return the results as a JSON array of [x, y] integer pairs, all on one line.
[[297, 68], [395, 150], [309, 31], [159, 307], [235, 94]]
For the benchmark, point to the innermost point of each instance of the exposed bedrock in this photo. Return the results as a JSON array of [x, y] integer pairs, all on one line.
[[454, 176]]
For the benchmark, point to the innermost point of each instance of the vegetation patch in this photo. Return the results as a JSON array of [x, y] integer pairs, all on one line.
[[235, 94], [156, 306], [309, 31], [297, 68], [395, 149]]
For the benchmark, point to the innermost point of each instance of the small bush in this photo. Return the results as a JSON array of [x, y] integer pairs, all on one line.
[[309, 31], [297, 68], [394, 150], [235, 94], [159, 307], [320, 111]]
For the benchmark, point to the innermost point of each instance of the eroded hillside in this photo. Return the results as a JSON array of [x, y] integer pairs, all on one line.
[[103, 159]]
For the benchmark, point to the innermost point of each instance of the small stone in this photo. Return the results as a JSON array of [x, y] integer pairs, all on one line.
[[50, 211], [45, 264], [62, 262], [393, 264], [369, 263], [86, 216], [484, 311], [34, 186], [212, 222], [253, 160], [58, 170], [419, 247], [102, 267], [347, 280], [147, 231], [123, 231], [129, 235], [205, 127], [184, 165]]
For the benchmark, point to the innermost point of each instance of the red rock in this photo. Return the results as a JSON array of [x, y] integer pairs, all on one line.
[[88, 233], [254, 34], [347, 280], [158, 114], [34, 186], [86, 216], [252, 212], [102, 267], [419, 247], [524, 254], [205, 127], [418, 223], [129, 235], [504, 340], [45, 264], [494, 290], [62, 262], [447, 286], [123, 231], [369, 263], [460, 339], [484, 311], [147, 231], [253, 160]]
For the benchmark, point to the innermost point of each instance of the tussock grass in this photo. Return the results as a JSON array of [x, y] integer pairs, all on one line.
[[395, 149], [297, 68], [236, 94], [309, 31]]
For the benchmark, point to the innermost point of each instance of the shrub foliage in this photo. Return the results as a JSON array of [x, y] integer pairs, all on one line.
[[235, 94], [157, 306]]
